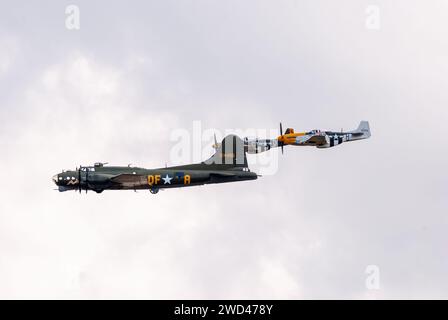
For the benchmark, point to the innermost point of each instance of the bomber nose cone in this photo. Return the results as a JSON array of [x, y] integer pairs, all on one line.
[[55, 178]]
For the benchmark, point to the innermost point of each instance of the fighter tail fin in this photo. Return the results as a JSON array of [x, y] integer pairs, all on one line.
[[363, 130]]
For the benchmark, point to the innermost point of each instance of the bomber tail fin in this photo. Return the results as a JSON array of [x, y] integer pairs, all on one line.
[[231, 153]]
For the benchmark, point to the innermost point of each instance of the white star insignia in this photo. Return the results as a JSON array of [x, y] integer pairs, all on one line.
[[167, 179]]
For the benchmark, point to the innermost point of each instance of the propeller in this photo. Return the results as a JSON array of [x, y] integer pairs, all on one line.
[[281, 133], [87, 182], [216, 142], [79, 179]]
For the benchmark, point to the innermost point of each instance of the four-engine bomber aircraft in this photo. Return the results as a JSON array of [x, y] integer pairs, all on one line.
[[228, 164]]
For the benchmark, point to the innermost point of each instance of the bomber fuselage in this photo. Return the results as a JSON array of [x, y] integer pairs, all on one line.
[[99, 177]]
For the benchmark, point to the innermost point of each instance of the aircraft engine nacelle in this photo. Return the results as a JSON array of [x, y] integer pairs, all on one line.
[[254, 146]]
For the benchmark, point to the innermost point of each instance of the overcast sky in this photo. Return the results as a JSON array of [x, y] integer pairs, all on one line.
[[117, 88]]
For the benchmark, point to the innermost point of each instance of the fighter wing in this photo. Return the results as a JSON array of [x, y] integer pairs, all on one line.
[[317, 140]]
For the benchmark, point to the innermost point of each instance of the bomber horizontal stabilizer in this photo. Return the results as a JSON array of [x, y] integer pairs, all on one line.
[[222, 174]]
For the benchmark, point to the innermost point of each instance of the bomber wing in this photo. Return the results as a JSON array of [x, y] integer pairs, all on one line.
[[130, 180]]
